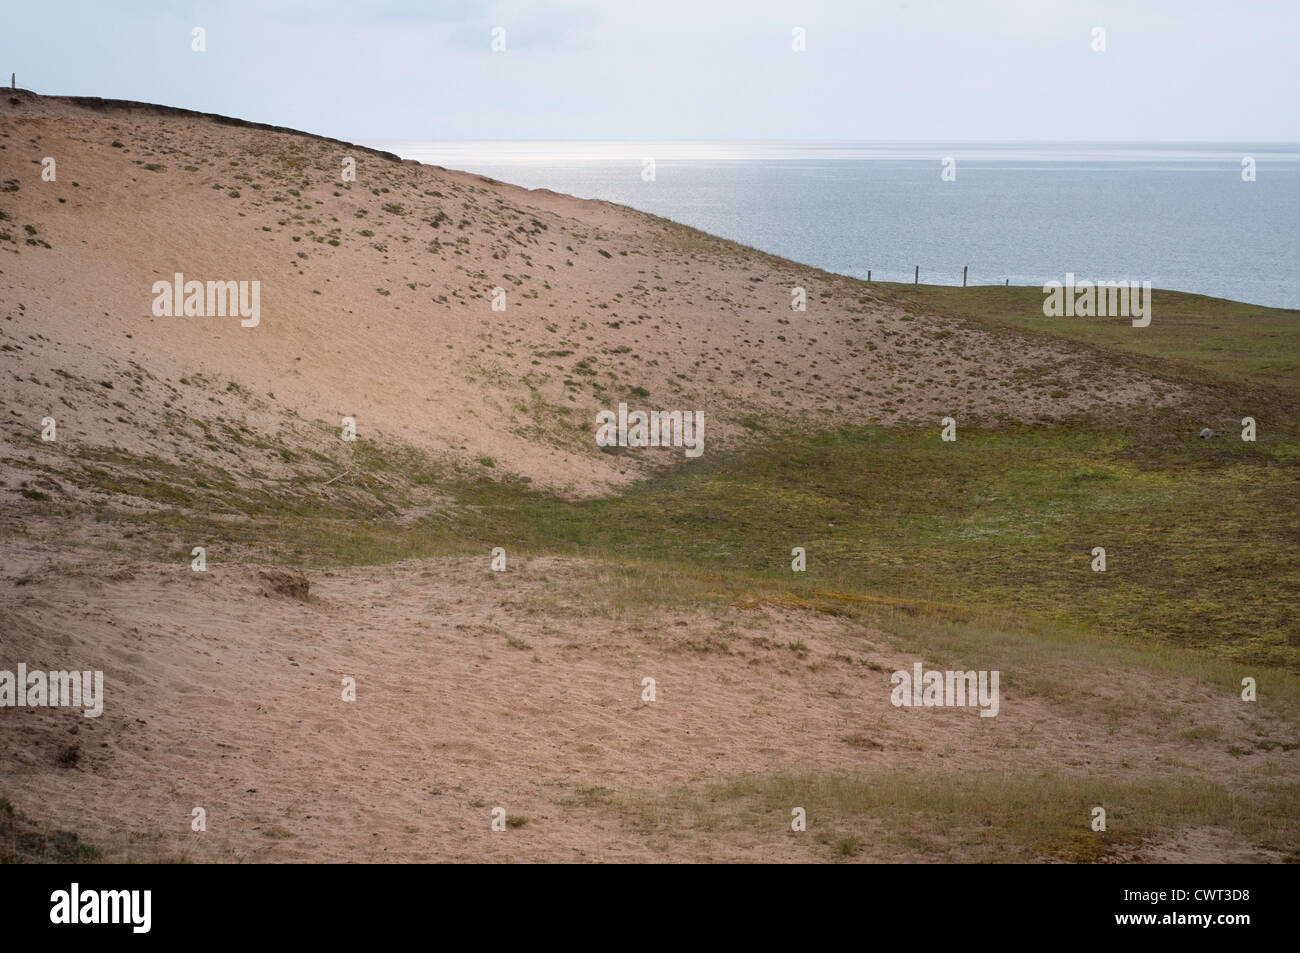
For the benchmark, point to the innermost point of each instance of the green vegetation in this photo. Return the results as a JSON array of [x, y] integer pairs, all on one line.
[[1202, 544], [1188, 334], [980, 817], [24, 841]]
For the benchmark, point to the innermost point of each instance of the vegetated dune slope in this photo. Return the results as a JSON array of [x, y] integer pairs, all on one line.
[[520, 689], [376, 304]]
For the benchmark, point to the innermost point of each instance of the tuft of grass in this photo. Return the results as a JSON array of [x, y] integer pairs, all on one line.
[[848, 846], [23, 841]]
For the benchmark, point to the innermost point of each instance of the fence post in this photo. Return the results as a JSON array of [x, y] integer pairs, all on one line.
[[868, 276], [916, 278], [963, 275]]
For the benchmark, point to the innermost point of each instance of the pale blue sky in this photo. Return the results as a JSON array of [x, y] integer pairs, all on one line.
[[1200, 70]]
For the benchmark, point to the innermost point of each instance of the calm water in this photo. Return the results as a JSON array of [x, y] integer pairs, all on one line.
[[1177, 215]]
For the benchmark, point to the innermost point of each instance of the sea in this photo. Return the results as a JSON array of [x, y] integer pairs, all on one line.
[[1220, 219]]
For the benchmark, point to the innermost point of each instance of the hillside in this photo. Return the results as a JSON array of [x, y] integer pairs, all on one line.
[[524, 689], [376, 303]]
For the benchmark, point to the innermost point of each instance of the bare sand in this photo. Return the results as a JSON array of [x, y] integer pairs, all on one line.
[[477, 690]]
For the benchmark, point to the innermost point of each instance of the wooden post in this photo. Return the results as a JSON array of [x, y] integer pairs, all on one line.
[[963, 275], [916, 278], [1008, 283], [868, 276]]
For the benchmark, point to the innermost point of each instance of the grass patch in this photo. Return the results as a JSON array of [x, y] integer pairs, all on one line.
[[1235, 341], [985, 817], [23, 841], [1203, 550]]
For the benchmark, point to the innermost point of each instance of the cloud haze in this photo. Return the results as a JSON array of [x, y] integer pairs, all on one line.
[[982, 69]]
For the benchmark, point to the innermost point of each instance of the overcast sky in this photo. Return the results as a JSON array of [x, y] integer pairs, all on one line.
[[1202, 70]]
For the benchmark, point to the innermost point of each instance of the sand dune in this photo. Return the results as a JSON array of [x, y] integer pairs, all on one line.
[[376, 303], [476, 689]]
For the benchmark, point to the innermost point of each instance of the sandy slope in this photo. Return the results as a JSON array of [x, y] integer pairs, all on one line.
[[477, 690], [395, 327]]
